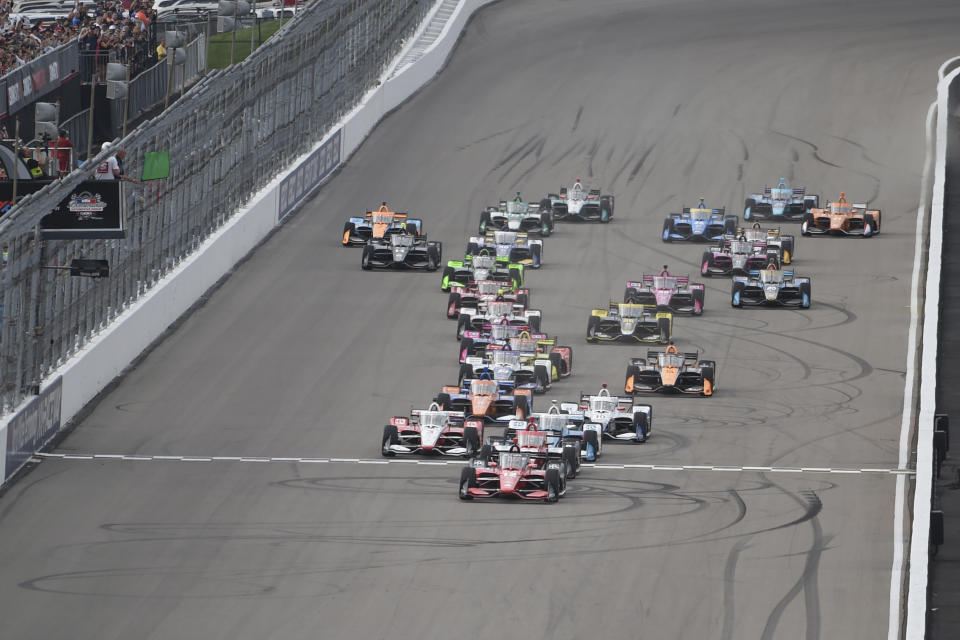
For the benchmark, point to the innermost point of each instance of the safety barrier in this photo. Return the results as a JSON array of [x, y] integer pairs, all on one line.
[[116, 344]]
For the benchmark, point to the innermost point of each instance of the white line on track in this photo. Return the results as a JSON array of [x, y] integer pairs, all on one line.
[[458, 462]]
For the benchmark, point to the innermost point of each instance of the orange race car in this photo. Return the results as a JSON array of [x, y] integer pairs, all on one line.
[[671, 371], [378, 224], [841, 218]]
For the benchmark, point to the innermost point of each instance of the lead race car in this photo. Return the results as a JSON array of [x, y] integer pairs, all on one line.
[[770, 287], [670, 371], [401, 251], [378, 224], [623, 322], [780, 203], [579, 203], [515, 246], [517, 215], [613, 417], [667, 292], [432, 431], [841, 218], [698, 224], [526, 469]]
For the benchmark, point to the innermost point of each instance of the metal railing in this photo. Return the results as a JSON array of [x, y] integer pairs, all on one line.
[[228, 136]]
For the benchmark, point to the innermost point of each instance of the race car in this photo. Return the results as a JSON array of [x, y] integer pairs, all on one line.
[[578, 203], [698, 224], [566, 431], [510, 370], [624, 322], [770, 287], [670, 371], [470, 295], [841, 218], [401, 251], [527, 470], [667, 292], [495, 312], [483, 266], [540, 345], [517, 215], [770, 240], [779, 203], [432, 431], [475, 342], [613, 417], [486, 400], [735, 255], [378, 224], [515, 246]]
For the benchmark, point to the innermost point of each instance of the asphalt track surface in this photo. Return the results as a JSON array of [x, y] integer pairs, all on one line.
[[301, 354]]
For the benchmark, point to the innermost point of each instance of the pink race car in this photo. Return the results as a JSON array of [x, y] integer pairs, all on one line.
[[668, 292]]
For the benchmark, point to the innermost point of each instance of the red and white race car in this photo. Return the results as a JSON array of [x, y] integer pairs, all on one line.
[[432, 431], [527, 470]]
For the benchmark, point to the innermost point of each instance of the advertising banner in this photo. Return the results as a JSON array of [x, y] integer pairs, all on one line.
[[93, 210], [33, 427], [308, 175]]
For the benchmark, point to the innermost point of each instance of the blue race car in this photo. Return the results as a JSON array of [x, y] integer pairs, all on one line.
[[780, 203], [698, 224]]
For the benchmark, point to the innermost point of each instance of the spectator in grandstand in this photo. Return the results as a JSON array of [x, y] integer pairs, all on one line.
[[63, 146]]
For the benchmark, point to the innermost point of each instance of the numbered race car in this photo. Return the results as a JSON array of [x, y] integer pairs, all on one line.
[[770, 240], [735, 255], [401, 251], [780, 203], [378, 224], [487, 400], [670, 371], [484, 266], [517, 215], [472, 294], [531, 346], [698, 224], [432, 431], [509, 369], [667, 292], [475, 342], [496, 312], [566, 431], [515, 246], [841, 218], [613, 417], [623, 322], [525, 469], [579, 204], [770, 287]]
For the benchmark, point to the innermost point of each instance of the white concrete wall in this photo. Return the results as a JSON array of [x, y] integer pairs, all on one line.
[[108, 354]]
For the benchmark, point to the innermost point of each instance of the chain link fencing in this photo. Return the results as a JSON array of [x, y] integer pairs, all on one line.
[[228, 136]]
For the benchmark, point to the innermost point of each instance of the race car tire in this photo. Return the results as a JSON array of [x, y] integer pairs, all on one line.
[[552, 481], [590, 439], [524, 299], [485, 453], [448, 272], [468, 480], [347, 232], [640, 422], [484, 222], [471, 441], [748, 205], [705, 263], [472, 248], [365, 258], [433, 259], [698, 296], [572, 461], [592, 328], [869, 226], [453, 306], [736, 291], [806, 224], [556, 362], [521, 406], [805, 296], [463, 324], [516, 277], [536, 252], [465, 345], [811, 203], [787, 244], [663, 327], [390, 437], [535, 323], [730, 224], [443, 401], [667, 230], [606, 208], [542, 378], [466, 374], [709, 370], [876, 219]]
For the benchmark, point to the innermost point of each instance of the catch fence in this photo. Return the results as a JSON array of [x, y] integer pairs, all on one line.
[[228, 136]]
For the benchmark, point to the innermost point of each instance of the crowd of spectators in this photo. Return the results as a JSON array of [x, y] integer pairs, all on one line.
[[125, 27]]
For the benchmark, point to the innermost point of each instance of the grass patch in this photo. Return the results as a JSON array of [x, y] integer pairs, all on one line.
[[218, 53]]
